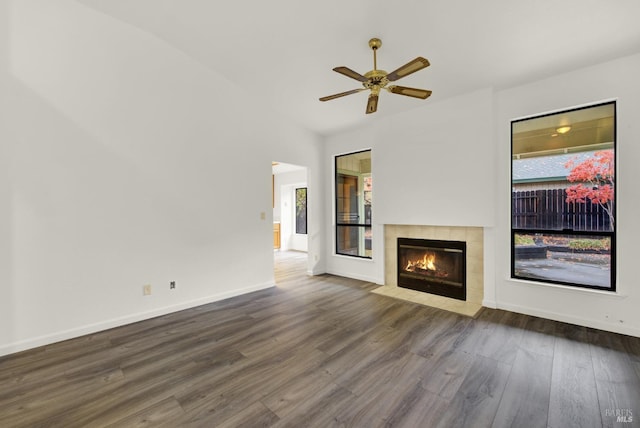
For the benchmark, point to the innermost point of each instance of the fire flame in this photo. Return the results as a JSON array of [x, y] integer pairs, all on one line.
[[427, 263]]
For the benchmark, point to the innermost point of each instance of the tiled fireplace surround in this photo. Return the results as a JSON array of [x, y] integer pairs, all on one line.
[[474, 238]]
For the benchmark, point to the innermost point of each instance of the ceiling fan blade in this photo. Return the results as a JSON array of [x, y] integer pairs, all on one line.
[[342, 94], [410, 92], [350, 73], [372, 104], [410, 67]]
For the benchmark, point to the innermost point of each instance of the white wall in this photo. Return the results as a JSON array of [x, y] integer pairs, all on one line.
[[120, 160], [612, 80], [434, 165]]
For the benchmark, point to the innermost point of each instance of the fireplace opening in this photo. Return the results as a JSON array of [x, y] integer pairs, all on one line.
[[431, 266]]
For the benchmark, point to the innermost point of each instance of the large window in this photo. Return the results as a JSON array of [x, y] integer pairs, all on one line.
[[563, 197], [353, 204]]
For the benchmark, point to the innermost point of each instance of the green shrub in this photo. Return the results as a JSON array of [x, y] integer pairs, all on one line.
[[589, 244], [524, 240]]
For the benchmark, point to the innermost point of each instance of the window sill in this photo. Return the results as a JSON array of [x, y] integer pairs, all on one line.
[[615, 294]]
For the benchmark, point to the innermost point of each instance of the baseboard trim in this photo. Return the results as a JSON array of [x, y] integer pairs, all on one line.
[[489, 304], [605, 326], [48, 339], [357, 276]]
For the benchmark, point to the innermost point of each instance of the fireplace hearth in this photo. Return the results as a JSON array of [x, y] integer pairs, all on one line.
[[433, 266]]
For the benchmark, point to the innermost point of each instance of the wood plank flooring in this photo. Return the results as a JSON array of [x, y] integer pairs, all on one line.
[[324, 352]]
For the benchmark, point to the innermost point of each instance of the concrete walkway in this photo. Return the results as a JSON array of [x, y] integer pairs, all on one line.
[[585, 269]]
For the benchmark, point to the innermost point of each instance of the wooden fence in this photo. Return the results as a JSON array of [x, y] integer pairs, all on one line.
[[548, 209]]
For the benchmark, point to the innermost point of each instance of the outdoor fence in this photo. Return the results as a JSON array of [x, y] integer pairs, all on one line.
[[548, 209]]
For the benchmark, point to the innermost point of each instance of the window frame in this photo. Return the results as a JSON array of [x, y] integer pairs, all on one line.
[[306, 219], [341, 224], [611, 234]]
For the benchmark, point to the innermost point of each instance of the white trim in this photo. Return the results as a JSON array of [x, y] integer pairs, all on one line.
[[615, 327], [489, 304], [357, 276], [59, 336], [571, 288]]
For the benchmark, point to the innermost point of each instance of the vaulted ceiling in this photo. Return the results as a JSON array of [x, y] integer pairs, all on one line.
[[282, 52]]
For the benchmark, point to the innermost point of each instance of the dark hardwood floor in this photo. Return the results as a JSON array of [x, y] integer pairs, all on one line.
[[322, 352]]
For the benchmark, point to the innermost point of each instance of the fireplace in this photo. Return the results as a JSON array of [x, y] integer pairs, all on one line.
[[432, 266]]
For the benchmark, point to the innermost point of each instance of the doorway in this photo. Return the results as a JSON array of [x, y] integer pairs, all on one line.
[[289, 186]]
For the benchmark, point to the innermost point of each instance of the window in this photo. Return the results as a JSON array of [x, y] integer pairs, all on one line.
[[353, 204], [301, 211], [563, 197]]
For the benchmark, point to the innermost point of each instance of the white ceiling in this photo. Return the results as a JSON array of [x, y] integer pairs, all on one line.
[[282, 51]]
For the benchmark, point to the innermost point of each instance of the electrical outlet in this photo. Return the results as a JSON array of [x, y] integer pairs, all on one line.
[[263, 215], [172, 285], [146, 290]]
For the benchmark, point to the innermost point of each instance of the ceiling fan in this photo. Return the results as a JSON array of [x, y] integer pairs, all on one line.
[[375, 80]]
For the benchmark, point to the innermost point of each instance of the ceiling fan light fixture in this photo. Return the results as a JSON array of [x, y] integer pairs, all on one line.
[[376, 79]]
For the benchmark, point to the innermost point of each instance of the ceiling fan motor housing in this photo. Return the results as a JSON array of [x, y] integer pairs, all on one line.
[[376, 79]]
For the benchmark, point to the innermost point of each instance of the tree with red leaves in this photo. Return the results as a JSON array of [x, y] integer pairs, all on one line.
[[596, 181]]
